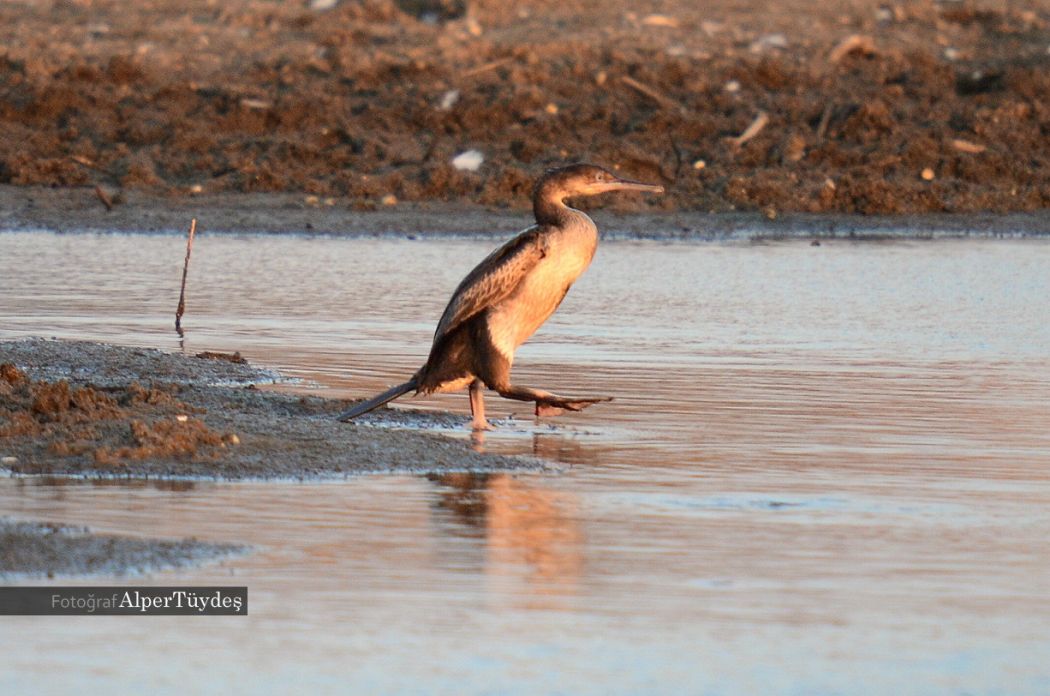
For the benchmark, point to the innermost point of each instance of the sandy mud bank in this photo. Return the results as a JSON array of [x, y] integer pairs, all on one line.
[[94, 410]]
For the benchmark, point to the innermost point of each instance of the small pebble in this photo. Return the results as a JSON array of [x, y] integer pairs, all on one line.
[[795, 148], [699, 164], [551, 109], [388, 199], [449, 99], [182, 418], [9, 460], [732, 86], [767, 42], [927, 174]]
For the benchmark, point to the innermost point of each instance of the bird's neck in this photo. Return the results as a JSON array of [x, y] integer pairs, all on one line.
[[551, 210], [575, 232]]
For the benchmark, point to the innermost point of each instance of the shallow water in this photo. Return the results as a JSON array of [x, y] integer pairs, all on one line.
[[825, 467]]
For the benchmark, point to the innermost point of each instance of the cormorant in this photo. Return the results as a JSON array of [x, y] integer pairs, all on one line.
[[509, 295]]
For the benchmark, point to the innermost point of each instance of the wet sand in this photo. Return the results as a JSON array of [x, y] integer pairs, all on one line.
[[78, 209], [130, 412], [38, 549]]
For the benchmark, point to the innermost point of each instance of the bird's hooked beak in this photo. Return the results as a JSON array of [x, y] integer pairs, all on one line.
[[625, 185]]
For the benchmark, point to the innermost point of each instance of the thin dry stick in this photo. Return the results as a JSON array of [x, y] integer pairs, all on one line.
[[856, 43], [751, 131], [104, 197], [825, 119], [486, 67], [651, 92], [185, 269]]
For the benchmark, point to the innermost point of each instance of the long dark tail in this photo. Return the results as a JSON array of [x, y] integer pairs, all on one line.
[[377, 401]]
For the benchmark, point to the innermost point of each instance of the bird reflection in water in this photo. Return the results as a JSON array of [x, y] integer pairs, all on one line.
[[533, 539], [553, 446]]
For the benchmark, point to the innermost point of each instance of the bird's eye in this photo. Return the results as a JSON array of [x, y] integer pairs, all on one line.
[[600, 176]]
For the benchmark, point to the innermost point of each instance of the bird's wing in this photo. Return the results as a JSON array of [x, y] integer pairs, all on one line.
[[493, 279]]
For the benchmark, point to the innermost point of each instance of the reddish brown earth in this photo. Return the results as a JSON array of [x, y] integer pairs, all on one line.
[[222, 96], [108, 426]]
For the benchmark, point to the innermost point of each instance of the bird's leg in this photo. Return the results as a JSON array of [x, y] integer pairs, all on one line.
[[548, 404], [477, 405]]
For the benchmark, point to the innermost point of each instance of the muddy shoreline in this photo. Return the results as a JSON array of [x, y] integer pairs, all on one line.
[[78, 209], [93, 410], [31, 550], [90, 410]]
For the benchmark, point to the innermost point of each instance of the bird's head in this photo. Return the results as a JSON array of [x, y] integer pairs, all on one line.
[[585, 180]]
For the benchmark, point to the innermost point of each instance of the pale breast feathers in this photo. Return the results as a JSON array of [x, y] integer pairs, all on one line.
[[493, 279]]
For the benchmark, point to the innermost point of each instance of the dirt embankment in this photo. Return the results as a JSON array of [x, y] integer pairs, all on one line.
[[110, 426], [846, 106], [69, 407]]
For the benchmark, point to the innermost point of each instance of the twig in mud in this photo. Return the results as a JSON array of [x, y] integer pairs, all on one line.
[[825, 119], [968, 147], [760, 122], [486, 67], [90, 164], [652, 93], [855, 43], [104, 197], [185, 269], [84, 162], [677, 156]]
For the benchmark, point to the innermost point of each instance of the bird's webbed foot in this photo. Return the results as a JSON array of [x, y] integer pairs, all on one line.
[[548, 404], [557, 405]]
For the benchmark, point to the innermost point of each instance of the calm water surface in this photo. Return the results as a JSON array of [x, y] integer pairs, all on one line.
[[826, 470]]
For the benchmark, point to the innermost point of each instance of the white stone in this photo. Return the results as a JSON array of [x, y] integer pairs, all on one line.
[[449, 99], [469, 161]]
